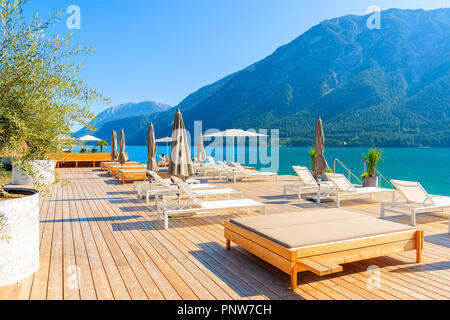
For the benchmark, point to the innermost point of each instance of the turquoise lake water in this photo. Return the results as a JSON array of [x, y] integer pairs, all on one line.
[[429, 166]]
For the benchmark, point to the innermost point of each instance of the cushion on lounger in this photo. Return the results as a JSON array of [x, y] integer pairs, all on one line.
[[296, 230]]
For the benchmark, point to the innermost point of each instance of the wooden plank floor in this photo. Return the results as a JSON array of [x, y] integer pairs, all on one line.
[[99, 242]]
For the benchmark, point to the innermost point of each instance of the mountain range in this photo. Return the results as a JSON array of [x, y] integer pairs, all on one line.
[[371, 87], [122, 112]]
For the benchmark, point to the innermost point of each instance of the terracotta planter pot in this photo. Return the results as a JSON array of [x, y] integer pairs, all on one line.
[[19, 241]]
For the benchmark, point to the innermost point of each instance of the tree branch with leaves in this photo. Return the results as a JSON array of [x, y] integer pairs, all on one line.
[[41, 94]]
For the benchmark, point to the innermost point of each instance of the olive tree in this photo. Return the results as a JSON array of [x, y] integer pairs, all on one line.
[[41, 93]]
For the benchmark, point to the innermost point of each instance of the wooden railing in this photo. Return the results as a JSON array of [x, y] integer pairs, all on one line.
[[77, 158]]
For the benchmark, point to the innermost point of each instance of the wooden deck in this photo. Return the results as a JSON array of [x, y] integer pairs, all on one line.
[[97, 226]]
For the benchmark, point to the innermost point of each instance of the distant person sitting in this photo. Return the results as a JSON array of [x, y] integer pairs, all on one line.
[[164, 159]]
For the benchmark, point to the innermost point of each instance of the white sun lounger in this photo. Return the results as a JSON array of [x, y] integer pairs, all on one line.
[[213, 170], [194, 206], [138, 184], [186, 191], [248, 174], [306, 181], [416, 199], [141, 186], [345, 189], [230, 173], [161, 184], [211, 161]]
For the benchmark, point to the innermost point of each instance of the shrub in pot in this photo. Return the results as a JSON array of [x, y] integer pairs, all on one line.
[[369, 181], [371, 160], [41, 98], [324, 177], [312, 159]]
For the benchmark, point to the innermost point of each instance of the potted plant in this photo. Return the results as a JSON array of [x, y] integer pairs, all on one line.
[[312, 159], [324, 177], [41, 99], [102, 144], [371, 160]]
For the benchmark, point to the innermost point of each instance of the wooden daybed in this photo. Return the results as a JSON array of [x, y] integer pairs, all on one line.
[[125, 175], [320, 241], [105, 165], [130, 174], [113, 170]]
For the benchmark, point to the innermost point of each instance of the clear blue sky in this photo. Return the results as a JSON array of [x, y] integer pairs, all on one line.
[[163, 50]]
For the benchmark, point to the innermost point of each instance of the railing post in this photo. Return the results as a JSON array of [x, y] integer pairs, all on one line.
[[381, 177]]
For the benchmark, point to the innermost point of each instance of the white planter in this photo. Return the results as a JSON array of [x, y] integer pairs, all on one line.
[[19, 254], [45, 173]]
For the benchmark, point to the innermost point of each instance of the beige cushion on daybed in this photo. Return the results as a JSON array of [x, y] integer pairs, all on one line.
[[132, 171], [296, 230]]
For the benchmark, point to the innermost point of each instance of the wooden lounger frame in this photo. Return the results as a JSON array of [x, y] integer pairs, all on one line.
[[325, 258], [123, 175], [105, 165], [113, 170]]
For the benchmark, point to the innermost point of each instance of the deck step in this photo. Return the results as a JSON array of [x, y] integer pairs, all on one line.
[[319, 266]]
